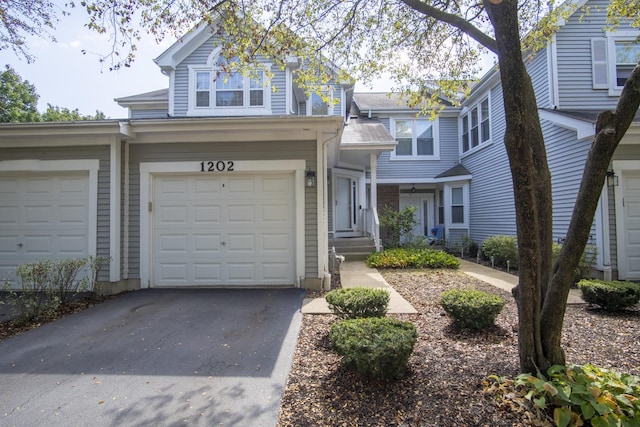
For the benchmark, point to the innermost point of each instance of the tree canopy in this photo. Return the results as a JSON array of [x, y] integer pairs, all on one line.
[[19, 102]]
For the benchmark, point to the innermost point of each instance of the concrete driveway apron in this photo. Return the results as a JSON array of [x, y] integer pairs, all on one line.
[[199, 357]]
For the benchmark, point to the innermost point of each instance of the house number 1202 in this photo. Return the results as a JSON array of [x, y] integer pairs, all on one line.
[[218, 166]]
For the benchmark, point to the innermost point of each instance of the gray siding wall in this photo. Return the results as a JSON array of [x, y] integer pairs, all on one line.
[[574, 60], [423, 169], [199, 57], [100, 152], [492, 209], [148, 114], [538, 69], [245, 151]]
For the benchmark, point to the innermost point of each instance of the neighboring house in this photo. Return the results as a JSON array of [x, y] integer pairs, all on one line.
[[221, 181], [455, 170]]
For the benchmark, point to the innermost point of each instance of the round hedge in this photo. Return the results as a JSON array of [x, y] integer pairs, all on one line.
[[470, 308]]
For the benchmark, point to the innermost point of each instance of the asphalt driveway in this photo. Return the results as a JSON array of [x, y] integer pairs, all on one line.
[[200, 357]]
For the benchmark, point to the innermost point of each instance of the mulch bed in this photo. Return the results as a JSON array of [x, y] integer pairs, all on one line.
[[445, 385]]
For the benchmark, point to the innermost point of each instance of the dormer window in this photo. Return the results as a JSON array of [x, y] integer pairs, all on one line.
[[317, 104], [214, 90], [613, 59]]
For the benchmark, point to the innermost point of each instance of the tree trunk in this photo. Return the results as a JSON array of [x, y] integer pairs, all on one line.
[[531, 182]]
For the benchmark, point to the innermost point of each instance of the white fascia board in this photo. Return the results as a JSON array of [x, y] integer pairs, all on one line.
[[184, 46], [584, 129], [459, 178]]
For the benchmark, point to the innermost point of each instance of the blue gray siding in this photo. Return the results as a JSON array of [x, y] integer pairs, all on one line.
[[148, 114], [246, 151], [422, 170]]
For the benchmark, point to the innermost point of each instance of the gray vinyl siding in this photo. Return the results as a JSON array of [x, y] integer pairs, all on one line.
[[197, 151], [199, 57], [102, 153], [613, 232], [491, 201], [422, 170], [148, 114], [538, 69], [574, 60], [566, 158]]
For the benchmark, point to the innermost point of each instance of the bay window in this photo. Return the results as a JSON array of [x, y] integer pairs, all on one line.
[[476, 126]]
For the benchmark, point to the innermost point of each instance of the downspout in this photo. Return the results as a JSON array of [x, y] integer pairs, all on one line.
[[323, 226]]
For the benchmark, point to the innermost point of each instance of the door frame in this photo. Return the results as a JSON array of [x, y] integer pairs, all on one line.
[[148, 169], [356, 195], [620, 166]]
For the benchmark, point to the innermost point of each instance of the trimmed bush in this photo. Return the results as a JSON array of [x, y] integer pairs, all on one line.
[[501, 249], [583, 395], [611, 295], [470, 308], [412, 258], [354, 303], [374, 347]]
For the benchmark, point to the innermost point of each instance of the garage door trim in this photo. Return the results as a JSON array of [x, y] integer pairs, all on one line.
[[147, 169]]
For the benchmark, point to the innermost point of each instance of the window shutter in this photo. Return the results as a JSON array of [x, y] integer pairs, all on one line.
[[599, 63]]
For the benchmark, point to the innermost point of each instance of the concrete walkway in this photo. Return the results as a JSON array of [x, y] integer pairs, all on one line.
[[357, 274]]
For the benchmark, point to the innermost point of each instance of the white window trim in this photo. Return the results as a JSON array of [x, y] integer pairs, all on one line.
[[414, 149], [449, 225], [330, 106], [213, 110], [464, 115], [612, 38]]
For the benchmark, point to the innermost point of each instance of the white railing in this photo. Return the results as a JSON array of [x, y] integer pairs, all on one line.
[[372, 226]]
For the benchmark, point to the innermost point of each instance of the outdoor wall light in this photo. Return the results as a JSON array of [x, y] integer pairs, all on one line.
[[310, 179], [612, 178]]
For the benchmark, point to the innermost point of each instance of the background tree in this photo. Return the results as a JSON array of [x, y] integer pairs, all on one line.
[[427, 48], [19, 101], [18, 98]]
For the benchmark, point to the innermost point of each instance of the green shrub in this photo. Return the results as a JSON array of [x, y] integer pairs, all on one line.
[[470, 308], [412, 258], [586, 263], [501, 249], [354, 303], [396, 225], [584, 395], [374, 347], [610, 295]]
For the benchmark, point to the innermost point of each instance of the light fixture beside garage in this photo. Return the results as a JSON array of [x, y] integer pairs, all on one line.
[[310, 179]]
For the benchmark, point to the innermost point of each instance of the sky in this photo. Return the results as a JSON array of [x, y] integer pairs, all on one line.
[[65, 77]]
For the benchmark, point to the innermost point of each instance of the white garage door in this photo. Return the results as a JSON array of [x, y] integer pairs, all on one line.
[[42, 216], [219, 230], [630, 264]]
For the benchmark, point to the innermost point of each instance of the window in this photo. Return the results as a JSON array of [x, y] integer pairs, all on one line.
[[476, 126], [417, 138], [215, 91], [457, 205], [613, 59], [317, 106], [441, 207], [627, 56]]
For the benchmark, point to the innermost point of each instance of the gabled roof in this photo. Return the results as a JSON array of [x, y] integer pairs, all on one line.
[[184, 46], [458, 170], [384, 101], [366, 133], [160, 95]]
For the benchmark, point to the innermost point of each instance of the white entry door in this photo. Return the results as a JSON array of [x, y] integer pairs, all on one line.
[[220, 230], [424, 212], [345, 208], [629, 260], [42, 217]]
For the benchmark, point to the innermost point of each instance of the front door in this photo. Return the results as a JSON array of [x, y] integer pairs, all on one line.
[[346, 212], [424, 212]]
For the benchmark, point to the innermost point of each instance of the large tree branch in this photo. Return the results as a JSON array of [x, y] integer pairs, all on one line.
[[455, 21]]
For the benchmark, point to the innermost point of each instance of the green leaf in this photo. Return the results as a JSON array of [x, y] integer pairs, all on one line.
[[587, 411], [562, 416], [540, 402]]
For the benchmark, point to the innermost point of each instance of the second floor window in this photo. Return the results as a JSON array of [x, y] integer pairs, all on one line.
[[417, 138], [317, 104], [476, 126], [224, 89], [627, 56]]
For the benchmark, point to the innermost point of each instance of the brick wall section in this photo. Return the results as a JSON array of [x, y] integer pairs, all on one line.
[[388, 198]]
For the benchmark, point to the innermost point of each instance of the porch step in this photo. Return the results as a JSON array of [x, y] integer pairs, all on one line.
[[354, 248]]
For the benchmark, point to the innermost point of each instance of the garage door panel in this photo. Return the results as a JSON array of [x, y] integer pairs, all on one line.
[[38, 215], [207, 214], [72, 245], [174, 271], [72, 214], [39, 186], [173, 244], [8, 244], [8, 187], [9, 215], [38, 245], [224, 219]]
